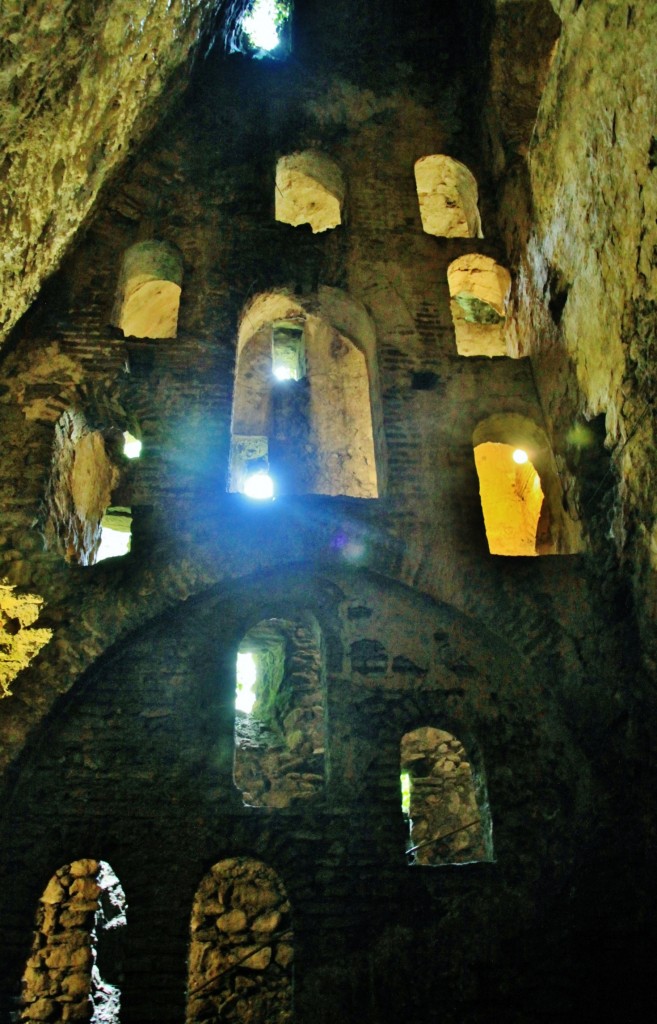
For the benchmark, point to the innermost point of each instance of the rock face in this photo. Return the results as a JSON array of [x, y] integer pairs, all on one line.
[[20, 641], [586, 295], [78, 85]]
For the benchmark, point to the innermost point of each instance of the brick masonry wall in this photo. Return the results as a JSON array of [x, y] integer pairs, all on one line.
[[141, 763]]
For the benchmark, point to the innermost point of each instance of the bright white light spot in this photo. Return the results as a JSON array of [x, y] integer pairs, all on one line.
[[131, 446], [113, 543], [247, 673], [259, 485], [520, 456], [282, 372], [261, 25]]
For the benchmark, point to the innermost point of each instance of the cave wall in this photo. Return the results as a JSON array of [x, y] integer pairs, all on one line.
[[81, 85], [578, 214]]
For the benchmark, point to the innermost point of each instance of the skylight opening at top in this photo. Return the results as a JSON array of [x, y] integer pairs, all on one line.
[[264, 22]]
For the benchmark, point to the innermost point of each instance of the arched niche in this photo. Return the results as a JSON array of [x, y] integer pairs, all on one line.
[[479, 288], [75, 961], [521, 495], [279, 713], [85, 518], [448, 196], [444, 800], [148, 294], [241, 950], [309, 190], [320, 433]]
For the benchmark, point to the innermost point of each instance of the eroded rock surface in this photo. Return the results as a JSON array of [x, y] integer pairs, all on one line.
[[78, 83], [19, 641], [587, 287]]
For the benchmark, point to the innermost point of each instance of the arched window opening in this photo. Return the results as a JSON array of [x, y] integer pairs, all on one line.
[[279, 713], [301, 405], [520, 490], [309, 190], [241, 950], [148, 295], [448, 196], [511, 498], [74, 968], [479, 288], [443, 800], [87, 475]]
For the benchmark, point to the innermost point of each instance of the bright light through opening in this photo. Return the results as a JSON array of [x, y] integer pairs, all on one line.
[[247, 673], [282, 372], [520, 456], [259, 485], [261, 24], [405, 781], [113, 543], [131, 446]]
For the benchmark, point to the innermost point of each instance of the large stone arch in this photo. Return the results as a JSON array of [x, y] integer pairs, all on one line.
[[148, 729]]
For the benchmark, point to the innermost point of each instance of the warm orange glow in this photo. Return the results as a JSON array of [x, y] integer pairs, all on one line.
[[511, 499]]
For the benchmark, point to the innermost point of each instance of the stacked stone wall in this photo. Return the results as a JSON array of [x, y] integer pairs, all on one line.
[[145, 755], [242, 946]]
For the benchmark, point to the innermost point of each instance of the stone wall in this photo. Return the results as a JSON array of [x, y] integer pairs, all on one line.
[[242, 946], [79, 88], [580, 224], [446, 823], [212, 181], [145, 755], [279, 747], [62, 980]]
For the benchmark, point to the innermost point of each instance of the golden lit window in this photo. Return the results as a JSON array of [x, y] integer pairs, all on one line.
[[478, 287], [309, 190], [148, 294], [511, 498], [448, 196]]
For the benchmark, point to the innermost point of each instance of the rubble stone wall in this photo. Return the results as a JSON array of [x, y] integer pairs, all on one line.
[[242, 946], [279, 747]]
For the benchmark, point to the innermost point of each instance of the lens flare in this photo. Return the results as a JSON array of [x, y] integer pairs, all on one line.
[[259, 486]]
